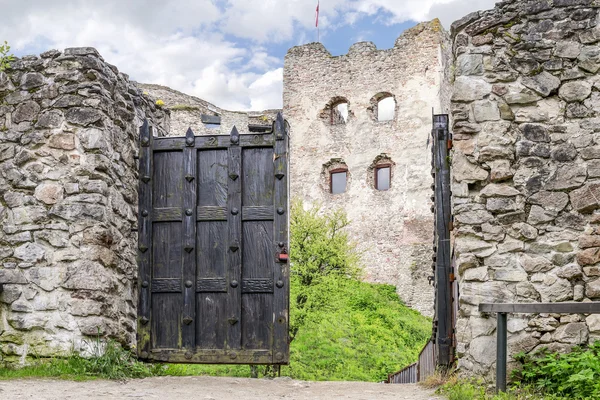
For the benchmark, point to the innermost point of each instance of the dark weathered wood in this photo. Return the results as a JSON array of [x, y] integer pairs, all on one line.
[[258, 257], [167, 249], [144, 241], [501, 353], [188, 334], [261, 213], [257, 286], [166, 285], [213, 245], [167, 214], [208, 285], [210, 119], [211, 213], [280, 236], [219, 211], [443, 215], [234, 261], [257, 140], [534, 308], [214, 356]]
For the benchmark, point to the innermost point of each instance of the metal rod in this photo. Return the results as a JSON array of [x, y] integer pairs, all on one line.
[[501, 353]]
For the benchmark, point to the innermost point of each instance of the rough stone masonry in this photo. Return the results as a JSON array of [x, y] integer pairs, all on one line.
[[68, 194], [526, 171]]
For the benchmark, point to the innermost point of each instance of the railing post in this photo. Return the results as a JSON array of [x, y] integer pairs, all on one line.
[[501, 350]]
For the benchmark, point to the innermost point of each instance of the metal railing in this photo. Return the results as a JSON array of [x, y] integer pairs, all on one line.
[[418, 371], [502, 309]]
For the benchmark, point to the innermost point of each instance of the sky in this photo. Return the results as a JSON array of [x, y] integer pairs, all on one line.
[[228, 52]]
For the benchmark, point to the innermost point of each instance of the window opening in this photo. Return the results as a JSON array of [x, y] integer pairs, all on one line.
[[383, 177], [339, 114], [385, 109], [338, 179], [212, 126]]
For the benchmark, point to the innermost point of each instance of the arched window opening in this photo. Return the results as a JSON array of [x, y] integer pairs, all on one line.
[[336, 177], [338, 180], [339, 114], [381, 172], [336, 112], [383, 177], [383, 107], [386, 109]]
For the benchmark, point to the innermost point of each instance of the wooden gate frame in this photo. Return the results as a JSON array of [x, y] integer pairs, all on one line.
[[188, 353]]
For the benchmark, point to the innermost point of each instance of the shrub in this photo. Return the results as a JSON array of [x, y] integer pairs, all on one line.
[[5, 58], [574, 375]]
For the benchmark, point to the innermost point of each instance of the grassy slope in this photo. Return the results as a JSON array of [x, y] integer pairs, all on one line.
[[350, 330]]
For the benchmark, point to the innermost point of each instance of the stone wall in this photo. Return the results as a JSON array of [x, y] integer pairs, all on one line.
[[393, 228], [68, 195], [186, 111], [526, 171]]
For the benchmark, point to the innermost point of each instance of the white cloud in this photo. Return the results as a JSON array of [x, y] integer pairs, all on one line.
[[192, 45]]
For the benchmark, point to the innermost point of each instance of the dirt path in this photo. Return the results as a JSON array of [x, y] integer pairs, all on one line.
[[210, 388]]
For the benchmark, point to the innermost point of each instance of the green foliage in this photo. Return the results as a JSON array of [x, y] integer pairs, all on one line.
[[5, 58], [184, 107], [575, 375], [476, 390], [319, 245], [108, 360]]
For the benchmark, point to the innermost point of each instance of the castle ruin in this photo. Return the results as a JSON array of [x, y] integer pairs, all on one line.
[[520, 83]]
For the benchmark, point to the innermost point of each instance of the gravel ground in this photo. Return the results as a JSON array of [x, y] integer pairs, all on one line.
[[209, 388]]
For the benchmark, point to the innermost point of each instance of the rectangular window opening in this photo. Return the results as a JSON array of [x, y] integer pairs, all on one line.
[[382, 178], [338, 181]]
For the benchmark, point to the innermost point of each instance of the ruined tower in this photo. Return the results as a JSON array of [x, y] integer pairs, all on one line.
[[360, 125]]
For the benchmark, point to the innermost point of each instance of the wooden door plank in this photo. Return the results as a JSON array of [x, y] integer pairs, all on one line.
[[257, 254], [188, 327], [281, 352], [167, 249], [213, 244], [234, 264], [144, 241]]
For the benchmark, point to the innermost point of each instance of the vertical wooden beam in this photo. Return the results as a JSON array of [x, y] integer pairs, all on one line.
[[281, 272], [188, 331], [144, 240], [234, 265], [443, 217]]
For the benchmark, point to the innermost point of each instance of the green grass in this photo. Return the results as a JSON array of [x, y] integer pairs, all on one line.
[[108, 361]]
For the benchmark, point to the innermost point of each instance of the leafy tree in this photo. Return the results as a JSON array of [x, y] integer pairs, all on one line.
[[319, 245]]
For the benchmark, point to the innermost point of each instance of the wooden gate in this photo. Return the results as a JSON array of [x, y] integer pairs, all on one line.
[[213, 239]]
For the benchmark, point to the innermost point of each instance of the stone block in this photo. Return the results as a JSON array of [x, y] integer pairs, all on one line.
[[49, 193], [467, 89], [476, 274], [586, 198], [30, 252], [486, 110], [543, 83], [469, 64], [572, 333], [553, 202], [592, 289], [464, 170], [89, 275], [26, 111], [83, 115], [64, 141], [575, 91]]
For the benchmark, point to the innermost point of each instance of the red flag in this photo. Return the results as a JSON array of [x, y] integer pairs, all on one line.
[[317, 16]]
